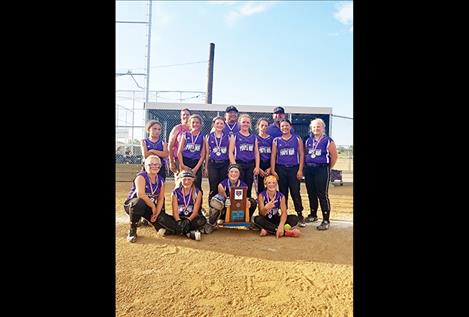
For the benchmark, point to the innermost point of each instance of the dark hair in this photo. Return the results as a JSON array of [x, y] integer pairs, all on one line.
[[259, 121], [152, 123], [234, 166], [285, 120], [185, 109]]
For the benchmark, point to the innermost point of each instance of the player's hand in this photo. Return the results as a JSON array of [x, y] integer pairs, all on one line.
[[279, 232], [270, 204], [256, 171], [172, 166], [299, 175]]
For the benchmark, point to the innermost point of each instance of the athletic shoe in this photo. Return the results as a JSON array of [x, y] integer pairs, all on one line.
[[162, 232], [292, 233], [194, 235], [301, 221], [323, 226], [132, 237], [311, 218], [263, 232]]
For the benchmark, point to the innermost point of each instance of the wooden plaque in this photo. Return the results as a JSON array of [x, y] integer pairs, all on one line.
[[237, 212]]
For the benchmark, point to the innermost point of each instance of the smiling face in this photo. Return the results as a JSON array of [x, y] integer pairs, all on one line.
[[263, 126], [152, 164], [271, 185], [278, 116], [233, 174], [187, 182], [285, 127], [245, 124], [231, 117], [185, 116], [195, 124], [317, 127], [219, 124]]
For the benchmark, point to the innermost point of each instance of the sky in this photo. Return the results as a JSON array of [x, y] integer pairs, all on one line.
[[287, 53]]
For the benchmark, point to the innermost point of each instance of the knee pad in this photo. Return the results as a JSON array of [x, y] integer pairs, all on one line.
[[213, 215], [217, 202]]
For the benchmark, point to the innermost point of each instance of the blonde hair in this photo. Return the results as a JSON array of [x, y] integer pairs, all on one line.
[[270, 178], [217, 118], [244, 115], [197, 116], [149, 159], [317, 120]]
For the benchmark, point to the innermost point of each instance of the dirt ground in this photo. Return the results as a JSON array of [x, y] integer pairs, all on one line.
[[234, 272]]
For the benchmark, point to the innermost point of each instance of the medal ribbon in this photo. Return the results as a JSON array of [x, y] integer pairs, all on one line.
[[317, 143], [184, 198], [216, 143]]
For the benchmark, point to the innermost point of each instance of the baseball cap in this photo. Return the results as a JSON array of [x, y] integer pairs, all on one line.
[[186, 174], [231, 108], [279, 110]]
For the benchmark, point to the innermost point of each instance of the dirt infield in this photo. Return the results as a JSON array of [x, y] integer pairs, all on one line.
[[234, 272]]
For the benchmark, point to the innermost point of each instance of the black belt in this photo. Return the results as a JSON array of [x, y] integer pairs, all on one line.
[[316, 164], [281, 165], [245, 162], [217, 162]]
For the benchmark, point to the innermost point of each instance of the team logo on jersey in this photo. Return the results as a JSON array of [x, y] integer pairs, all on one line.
[[246, 147]]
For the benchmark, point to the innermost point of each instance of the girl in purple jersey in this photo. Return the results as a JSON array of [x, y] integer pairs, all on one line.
[[154, 145], [320, 157], [146, 197], [286, 164], [264, 142], [244, 151], [223, 197], [271, 215], [216, 155], [187, 218], [191, 151]]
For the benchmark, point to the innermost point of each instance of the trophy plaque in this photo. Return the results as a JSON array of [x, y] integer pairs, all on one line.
[[237, 212]]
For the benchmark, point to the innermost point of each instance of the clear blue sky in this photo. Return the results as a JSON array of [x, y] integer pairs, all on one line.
[[266, 52]]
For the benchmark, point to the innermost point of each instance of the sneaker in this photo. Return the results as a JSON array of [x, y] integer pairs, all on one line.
[[220, 221], [162, 232], [132, 237], [194, 235], [292, 233], [301, 221], [323, 226], [263, 232], [311, 218]]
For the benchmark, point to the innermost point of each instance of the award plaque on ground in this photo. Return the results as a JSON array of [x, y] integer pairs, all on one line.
[[237, 214]]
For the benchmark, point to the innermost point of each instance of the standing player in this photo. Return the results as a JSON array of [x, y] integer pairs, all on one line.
[[286, 164], [264, 142], [244, 151], [154, 145], [216, 156], [175, 137], [320, 157], [191, 153]]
